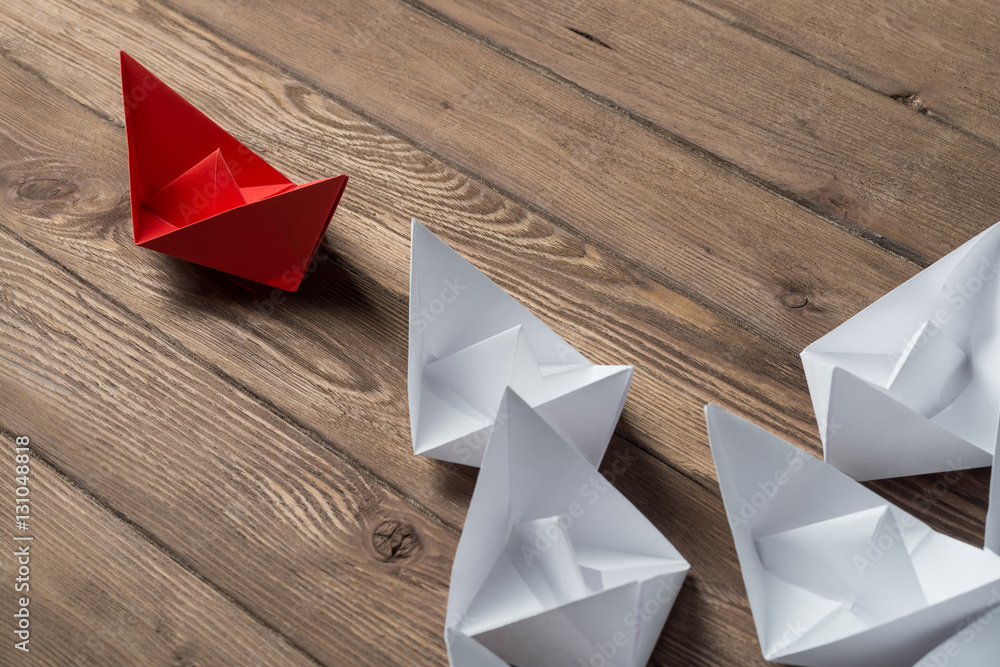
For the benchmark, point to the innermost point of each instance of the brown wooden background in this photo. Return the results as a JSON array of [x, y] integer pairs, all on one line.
[[696, 187]]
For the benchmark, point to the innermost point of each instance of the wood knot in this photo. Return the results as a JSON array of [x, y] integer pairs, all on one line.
[[912, 101], [182, 658], [46, 189], [793, 300], [395, 540]]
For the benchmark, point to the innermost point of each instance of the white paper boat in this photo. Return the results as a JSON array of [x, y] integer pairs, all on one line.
[[470, 340], [976, 644], [555, 567], [835, 574], [911, 384]]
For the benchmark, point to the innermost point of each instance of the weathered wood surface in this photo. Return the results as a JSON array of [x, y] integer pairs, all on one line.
[[855, 156], [278, 520], [101, 593], [938, 58], [673, 192]]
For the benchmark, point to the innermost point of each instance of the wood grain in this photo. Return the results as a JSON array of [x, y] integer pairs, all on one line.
[[490, 228], [610, 310], [689, 224], [905, 182], [668, 497], [262, 439], [938, 58], [277, 527], [101, 594], [697, 357], [273, 518], [239, 512]]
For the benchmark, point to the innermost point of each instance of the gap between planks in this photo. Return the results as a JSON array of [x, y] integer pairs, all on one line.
[[151, 540], [242, 388], [841, 72], [892, 248], [341, 452]]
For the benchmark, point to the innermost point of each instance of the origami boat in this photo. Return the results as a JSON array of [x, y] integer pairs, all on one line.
[[911, 384], [555, 567], [200, 195], [836, 575], [470, 340], [976, 644]]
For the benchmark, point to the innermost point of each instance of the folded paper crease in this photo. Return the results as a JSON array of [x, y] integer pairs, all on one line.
[[553, 559], [470, 340]]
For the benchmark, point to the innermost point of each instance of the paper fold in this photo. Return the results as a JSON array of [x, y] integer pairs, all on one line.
[[835, 574], [554, 562], [470, 340]]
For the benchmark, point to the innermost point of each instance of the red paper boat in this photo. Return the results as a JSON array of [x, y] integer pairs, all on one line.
[[200, 195]]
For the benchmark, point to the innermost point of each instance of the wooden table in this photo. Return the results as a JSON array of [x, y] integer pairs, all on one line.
[[223, 476]]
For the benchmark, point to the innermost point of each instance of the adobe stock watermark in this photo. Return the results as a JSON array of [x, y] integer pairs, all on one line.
[[205, 194], [201, 203], [645, 610], [589, 493], [277, 297], [928, 498], [473, 446], [139, 93], [663, 594], [748, 507], [22, 550], [828, 425], [967, 633], [794, 630], [429, 313], [893, 534], [878, 549]]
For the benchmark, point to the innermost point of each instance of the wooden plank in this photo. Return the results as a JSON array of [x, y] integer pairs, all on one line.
[[101, 594], [248, 502], [92, 228], [276, 520], [686, 356], [911, 184], [611, 309], [686, 223], [938, 58]]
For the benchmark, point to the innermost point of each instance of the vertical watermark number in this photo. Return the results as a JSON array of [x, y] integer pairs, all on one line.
[[22, 540]]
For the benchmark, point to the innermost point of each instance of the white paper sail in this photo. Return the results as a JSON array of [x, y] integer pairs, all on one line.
[[470, 340], [911, 384], [555, 567], [835, 574]]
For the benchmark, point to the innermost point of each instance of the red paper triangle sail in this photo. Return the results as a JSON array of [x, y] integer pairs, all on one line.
[[200, 195], [200, 192]]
